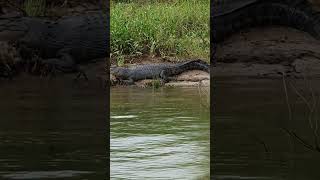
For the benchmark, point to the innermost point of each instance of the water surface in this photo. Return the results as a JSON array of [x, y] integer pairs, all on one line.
[[52, 129], [159, 134], [250, 137]]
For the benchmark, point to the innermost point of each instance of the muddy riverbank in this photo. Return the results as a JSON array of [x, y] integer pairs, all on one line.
[[265, 52], [269, 52]]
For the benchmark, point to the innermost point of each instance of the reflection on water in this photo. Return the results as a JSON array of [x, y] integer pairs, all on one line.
[[52, 129], [251, 141], [158, 134]]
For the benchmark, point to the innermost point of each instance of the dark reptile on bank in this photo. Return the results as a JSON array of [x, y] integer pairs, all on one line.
[[164, 72], [63, 43]]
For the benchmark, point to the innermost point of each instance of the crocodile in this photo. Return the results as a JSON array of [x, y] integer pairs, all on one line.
[[162, 71], [61, 44], [230, 16]]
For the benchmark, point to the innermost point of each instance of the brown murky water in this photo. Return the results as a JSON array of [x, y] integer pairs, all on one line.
[[250, 138], [159, 133], [52, 129]]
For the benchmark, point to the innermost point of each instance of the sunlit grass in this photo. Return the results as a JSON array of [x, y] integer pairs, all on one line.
[[161, 28]]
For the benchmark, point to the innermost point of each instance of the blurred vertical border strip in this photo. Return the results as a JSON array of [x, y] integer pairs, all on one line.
[[212, 84], [106, 9]]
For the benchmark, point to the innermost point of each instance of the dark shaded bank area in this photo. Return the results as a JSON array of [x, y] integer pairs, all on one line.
[[32, 42], [268, 53]]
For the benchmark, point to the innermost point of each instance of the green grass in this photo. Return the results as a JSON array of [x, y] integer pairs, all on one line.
[[163, 28], [35, 7]]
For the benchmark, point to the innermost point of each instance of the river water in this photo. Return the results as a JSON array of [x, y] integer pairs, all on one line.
[[52, 129], [159, 133], [252, 120], [56, 129]]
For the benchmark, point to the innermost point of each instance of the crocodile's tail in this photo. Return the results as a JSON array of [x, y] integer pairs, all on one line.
[[297, 14], [189, 65]]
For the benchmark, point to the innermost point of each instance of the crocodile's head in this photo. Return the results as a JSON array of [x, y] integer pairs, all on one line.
[[12, 29], [120, 72]]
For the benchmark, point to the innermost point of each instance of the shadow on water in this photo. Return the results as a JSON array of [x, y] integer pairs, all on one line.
[[250, 138], [52, 129], [158, 134]]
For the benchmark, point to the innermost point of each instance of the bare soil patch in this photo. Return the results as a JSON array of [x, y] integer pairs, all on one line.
[[269, 52]]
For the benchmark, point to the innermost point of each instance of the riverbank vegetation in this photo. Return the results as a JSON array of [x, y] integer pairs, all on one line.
[[163, 28], [56, 8]]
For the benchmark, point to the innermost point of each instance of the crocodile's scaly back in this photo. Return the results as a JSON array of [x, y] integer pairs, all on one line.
[[62, 44], [235, 16], [84, 36], [154, 71], [15, 28]]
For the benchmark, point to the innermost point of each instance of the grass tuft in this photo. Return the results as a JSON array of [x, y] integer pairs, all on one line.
[[35, 7]]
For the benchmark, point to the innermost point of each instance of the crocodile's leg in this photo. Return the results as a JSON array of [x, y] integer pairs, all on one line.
[[127, 82], [165, 78], [65, 64]]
